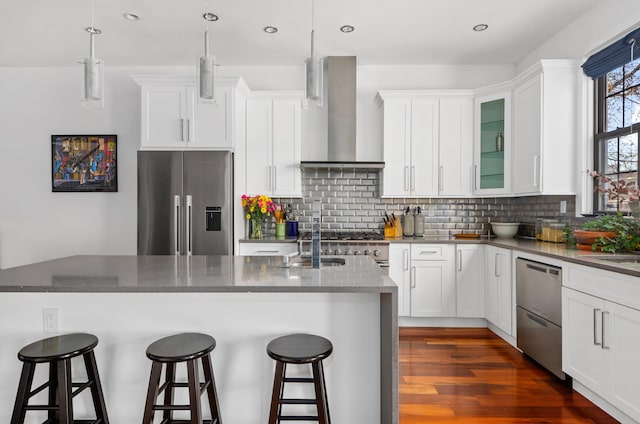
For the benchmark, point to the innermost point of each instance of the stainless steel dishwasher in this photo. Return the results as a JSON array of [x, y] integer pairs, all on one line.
[[539, 313]]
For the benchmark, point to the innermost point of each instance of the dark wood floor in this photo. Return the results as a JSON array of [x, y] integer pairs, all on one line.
[[471, 376]]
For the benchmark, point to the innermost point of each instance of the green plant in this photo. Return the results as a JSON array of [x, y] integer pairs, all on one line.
[[627, 229]]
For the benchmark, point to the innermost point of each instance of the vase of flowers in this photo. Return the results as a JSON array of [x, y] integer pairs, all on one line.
[[257, 208]]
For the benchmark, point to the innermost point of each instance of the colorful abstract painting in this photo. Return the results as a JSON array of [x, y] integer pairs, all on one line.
[[84, 163]]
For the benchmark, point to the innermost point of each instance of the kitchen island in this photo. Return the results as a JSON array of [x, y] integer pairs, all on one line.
[[130, 301]]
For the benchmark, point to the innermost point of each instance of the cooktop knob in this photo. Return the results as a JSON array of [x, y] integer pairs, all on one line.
[[357, 252], [348, 252], [337, 252], [376, 252], [327, 251], [367, 252]]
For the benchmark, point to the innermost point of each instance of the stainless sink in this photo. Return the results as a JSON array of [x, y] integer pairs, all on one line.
[[615, 258], [306, 262]]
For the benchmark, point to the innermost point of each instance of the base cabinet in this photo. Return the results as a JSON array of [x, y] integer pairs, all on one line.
[[399, 272], [267, 249], [499, 288], [470, 265], [433, 288], [600, 348]]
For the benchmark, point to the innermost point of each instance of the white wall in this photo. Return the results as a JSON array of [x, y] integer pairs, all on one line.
[[36, 224]]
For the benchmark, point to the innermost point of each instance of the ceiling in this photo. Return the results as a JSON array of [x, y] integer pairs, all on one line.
[[170, 32]]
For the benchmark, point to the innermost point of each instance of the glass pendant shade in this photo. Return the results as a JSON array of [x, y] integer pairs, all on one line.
[[206, 74], [314, 69], [93, 93]]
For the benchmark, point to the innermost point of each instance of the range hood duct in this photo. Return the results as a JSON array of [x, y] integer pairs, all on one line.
[[341, 111]]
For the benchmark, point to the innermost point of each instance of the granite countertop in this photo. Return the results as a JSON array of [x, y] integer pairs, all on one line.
[[102, 273], [270, 239]]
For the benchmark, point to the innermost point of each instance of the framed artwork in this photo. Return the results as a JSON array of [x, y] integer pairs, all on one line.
[[82, 163]]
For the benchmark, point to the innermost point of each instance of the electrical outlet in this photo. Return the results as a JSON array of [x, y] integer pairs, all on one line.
[[563, 206], [432, 212], [50, 320]]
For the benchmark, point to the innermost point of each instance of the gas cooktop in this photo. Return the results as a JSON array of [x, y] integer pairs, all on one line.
[[345, 235]]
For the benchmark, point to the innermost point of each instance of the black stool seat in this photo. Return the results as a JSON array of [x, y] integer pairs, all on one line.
[[297, 349], [57, 352], [181, 347], [58, 348], [189, 348]]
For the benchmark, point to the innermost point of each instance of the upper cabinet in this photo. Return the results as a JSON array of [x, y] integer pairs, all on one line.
[[172, 116], [427, 143], [273, 140], [544, 129], [492, 143]]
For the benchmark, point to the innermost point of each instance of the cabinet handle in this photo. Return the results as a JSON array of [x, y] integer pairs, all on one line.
[[496, 260], [267, 251], [535, 170], [269, 177], [460, 260], [406, 178], [428, 252], [188, 129], [182, 129], [595, 330], [441, 179], [275, 181], [603, 315], [413, 277], [405, 260], [475, 177], [413, 178]]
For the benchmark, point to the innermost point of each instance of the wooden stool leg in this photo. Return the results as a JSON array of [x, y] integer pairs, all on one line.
[[96, 388], [169, 379], [193, 382], [22, 397], [276, 394], [212, 393], [321, 393], [64, 391], [152, 392]]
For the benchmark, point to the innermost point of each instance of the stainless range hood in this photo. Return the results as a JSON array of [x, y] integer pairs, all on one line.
[[341, 110]]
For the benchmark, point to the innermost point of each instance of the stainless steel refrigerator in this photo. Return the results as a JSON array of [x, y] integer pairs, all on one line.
[[185, 203]]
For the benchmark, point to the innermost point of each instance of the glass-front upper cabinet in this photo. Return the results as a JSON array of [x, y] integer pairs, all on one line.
[[492, 143]]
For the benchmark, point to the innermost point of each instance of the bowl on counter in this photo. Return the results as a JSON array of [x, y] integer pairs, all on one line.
[[505, 229]]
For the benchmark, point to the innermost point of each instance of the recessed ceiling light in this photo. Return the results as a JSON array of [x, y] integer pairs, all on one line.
[[480, 27], [210, 17], [130, 16], [270, 29], [347, 28]]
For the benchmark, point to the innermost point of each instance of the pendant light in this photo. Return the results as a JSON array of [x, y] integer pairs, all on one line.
[[206, 67], [93, 95], [314, 68]]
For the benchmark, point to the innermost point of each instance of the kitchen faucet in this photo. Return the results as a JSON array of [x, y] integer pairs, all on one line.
[[316, 217]]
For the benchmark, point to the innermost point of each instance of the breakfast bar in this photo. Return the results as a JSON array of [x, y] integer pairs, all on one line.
[[129, 301]]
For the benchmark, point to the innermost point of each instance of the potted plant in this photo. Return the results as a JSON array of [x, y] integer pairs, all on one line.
[[608, 233]]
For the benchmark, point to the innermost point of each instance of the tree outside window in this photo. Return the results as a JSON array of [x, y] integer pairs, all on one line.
[[617, 131]]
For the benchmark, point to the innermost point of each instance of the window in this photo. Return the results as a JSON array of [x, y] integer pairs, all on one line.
[[617, 130]]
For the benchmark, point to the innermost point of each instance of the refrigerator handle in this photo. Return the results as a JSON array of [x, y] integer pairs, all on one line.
[[176, 225], [189, 216]]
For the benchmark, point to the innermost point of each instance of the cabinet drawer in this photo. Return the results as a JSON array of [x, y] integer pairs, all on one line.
[[431, 252], [267, 249]]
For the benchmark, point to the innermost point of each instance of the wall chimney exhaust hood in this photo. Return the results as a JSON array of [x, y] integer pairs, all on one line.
[[341, 111]]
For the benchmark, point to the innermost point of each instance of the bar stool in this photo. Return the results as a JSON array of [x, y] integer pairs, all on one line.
[[299, 349], [58, 351], [185, 347]]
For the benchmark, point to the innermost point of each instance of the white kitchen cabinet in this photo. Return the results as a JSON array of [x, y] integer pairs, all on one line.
[[433, 288], [172, 116], [499, 288], [544, 131], [273, 140], [491, 158], [263, 248], [470, 265], [399, 272], [600, 335], [427, 139]]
